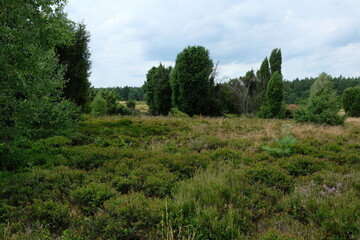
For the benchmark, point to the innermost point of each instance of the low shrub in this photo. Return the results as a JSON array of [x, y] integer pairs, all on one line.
[[53, 215], [175, 112], [303, 165], [227, 203], [131, 216], [91, 197], [131, 104], [98, 106], [271, 176], [330, 207]]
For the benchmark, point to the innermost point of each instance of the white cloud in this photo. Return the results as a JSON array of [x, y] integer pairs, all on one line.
[[128, 37]]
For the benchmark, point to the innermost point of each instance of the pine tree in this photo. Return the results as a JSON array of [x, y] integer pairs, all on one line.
[[323, 105], [274, 107]]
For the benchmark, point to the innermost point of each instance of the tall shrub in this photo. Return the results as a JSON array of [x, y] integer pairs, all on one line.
[[191, 81], [158, 90], [274, 107]]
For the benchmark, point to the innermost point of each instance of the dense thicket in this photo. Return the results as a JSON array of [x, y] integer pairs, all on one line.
[[76, 59], [323, 105], [157, 90], [31, 78], [191, 81], [351, 101]]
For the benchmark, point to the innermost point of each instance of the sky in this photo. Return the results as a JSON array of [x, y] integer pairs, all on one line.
[[129, 37]]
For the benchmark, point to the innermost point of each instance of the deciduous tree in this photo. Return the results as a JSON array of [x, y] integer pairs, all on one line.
[[31, 78]]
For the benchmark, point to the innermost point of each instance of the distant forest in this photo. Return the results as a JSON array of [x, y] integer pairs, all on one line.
[[295, 92], [126, 93]]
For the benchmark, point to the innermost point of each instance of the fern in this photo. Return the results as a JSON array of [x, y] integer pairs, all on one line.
[[282, 147]]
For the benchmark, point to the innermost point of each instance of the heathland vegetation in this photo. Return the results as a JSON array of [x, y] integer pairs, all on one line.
[[208, 160]]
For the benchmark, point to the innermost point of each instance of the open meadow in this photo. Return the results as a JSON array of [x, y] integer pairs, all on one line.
[[185, 178]]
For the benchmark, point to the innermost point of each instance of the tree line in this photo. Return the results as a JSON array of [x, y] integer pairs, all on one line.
[[191, 87], [298, 90]]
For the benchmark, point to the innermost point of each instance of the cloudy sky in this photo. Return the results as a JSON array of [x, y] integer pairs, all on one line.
[[128, 37]]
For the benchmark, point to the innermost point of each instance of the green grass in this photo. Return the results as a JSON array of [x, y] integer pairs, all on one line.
[[184, 178]]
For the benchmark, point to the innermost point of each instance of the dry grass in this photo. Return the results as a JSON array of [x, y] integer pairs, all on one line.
[[140, 106]]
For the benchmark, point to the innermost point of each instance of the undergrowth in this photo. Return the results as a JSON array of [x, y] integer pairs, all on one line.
[[183, 178]]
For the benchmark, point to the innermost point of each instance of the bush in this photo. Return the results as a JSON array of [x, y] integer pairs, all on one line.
[[111, 101], [273, 177], [131, 104], [92, 196], [52, 214], [175, 112], [224, 203], [98, 106], [303, 165], [323, 104], [131, 216], [351, 101], [329, 206]]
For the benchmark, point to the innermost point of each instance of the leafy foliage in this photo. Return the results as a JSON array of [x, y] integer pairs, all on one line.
[[351, 101], [31, 79]]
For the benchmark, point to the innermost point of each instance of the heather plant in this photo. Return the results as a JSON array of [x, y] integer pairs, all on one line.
[[183, 178]]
